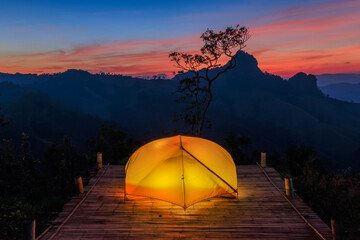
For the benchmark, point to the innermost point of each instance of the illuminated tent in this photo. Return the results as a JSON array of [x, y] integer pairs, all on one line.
[[181, 170]]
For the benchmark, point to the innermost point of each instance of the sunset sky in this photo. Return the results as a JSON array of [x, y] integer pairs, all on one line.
[[135, 37]]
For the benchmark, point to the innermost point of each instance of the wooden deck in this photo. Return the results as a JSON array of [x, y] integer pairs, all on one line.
[[260, 212]]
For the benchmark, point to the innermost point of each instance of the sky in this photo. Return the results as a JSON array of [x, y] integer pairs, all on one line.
[[135, 37]]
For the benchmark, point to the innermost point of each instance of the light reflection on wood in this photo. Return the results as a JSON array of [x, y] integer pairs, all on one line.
[[259, 212]]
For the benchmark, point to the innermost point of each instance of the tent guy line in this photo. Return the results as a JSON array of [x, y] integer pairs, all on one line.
[[78, 205], [291, 204], [181, 146]]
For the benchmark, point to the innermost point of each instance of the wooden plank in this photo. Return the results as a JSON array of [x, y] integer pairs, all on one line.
[[259, 212]]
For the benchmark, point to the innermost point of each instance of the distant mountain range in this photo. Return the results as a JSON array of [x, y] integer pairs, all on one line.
[[341, 86], [344, 91], [328, 79], [272, 111]]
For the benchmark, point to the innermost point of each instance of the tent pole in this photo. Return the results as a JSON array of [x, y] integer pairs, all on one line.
[[182, 166], [124, 190]]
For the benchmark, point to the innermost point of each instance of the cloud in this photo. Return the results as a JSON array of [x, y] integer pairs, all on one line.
[[314, 38], [261, 51], [314, 57], [129, 58]]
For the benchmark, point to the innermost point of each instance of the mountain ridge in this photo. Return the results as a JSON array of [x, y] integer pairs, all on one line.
[[272, 111], [344, 91], [332, 78]]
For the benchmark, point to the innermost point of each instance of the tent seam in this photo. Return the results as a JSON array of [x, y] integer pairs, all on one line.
[[182, 166]]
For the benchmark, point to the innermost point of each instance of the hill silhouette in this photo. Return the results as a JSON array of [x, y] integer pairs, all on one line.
[[45, 120], [272, 111], [327, 79], [343, 91]]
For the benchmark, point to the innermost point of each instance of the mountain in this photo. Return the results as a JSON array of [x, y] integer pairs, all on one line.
[[272, 111], [344, 91], [19, 78], [143, 107], [44, 120], [327, 79], [275, 112]]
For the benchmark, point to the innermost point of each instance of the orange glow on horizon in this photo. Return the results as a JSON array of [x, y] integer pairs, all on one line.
[[316, 39], [284, 61]]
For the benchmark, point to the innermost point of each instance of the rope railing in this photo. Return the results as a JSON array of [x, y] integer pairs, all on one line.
[[77, 206], [292, 205]]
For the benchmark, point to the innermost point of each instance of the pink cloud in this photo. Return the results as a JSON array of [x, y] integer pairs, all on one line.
[[315, 62], [131, 58], [314, 38]]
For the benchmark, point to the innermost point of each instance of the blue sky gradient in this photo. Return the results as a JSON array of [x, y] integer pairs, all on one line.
[[30, 28]]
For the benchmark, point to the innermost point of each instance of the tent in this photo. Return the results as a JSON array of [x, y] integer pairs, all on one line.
[[181, 170]]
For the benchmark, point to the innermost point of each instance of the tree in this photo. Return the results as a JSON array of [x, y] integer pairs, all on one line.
[[196, 77], [114, 144], [3, 120], [63, 163], [300, 160], [238, 147]]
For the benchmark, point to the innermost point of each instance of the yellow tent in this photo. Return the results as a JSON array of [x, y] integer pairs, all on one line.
[[181, 170]]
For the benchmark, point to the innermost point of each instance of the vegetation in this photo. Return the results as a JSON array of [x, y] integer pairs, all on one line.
[[3, 120], [38, 188], [114, 145], [331, 194], [196, 86], [334, 194], [263, 106], [34, 189], [239, 148]]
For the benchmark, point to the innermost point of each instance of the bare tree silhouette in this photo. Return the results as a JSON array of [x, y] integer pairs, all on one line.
[[195, 89]]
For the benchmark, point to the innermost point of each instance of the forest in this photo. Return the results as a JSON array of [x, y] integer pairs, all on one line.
[[37, 188]]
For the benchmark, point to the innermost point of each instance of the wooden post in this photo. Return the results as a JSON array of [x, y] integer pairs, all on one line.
[[30, 230], [124, 191], [287, 187], [291, 188], [99, 160], [79, 184], [337, 230], [263, 159]]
